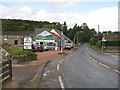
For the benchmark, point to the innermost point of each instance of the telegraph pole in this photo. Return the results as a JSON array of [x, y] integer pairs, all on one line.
[[98, 31], [62, 40]]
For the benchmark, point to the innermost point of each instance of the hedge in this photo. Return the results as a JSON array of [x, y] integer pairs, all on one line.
[[111, 43], [24, 52], [98, 44], [19, 54]]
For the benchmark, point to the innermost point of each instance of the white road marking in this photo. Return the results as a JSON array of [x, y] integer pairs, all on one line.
[[36, 74], [115, 56], [61, 61], [86, 53], [58, 67], [90, 57], [45, 74], [104, 65], [94, 60], [117, 71], [61, 83]]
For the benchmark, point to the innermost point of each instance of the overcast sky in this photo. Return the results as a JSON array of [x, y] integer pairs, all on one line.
[[93, 13]]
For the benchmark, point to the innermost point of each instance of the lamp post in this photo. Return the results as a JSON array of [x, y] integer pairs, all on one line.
[[98, 32]]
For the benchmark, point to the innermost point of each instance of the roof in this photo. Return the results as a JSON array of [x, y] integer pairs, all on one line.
[[55, 35], [24, 33], [36, 32], [112, 37], [40, 30]]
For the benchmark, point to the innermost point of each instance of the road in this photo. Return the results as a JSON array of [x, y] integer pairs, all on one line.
[[85, 68]]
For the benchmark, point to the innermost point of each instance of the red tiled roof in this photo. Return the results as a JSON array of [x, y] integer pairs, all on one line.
[[55, 35], [111, 37]]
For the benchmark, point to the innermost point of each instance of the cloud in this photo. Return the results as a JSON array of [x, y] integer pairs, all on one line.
[[107, 18], [60, 0], [64, 4], [15, 13], [26, 10]]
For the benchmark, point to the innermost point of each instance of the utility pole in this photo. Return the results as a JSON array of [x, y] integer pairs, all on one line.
[[62, 40], [98, 31]]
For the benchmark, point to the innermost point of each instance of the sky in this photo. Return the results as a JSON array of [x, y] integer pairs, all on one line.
[[92, 12]]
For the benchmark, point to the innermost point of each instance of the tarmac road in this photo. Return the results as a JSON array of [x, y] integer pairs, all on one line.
[[85, 68]]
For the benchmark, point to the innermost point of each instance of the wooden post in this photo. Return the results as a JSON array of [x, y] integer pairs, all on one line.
[[10, 63]]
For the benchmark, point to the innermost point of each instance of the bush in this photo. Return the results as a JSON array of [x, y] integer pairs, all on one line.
[[98, 44], [20, 54], [92, 41], [24, 52], [111, 43]]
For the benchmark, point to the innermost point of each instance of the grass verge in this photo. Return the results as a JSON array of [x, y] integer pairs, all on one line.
[[96, 48]]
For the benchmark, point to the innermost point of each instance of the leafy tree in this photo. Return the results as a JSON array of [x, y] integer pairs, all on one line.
[[64, 28]]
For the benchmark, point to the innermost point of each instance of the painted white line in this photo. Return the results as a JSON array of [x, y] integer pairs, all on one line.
[[36, 75], [61, 61], [58, 67], [117, 71], [86, 53], [104, 65], [90, 57], [61, 82], [94, 60]]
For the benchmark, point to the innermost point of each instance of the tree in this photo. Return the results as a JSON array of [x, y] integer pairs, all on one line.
[[64, 28]]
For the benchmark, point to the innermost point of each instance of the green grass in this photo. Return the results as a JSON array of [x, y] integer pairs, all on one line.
[[96, 48]]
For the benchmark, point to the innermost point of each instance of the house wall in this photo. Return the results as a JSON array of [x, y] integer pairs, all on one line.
[[50, 37], [10, 39]]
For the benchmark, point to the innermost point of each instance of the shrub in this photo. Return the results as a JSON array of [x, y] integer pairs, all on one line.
[[20, 55], [24, 52], [92, 41], [98, 44], [6, 47], [112, 43]]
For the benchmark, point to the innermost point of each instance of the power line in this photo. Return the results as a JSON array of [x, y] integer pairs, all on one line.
[[3, 3]]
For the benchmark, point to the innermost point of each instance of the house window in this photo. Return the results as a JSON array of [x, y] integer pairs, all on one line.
[[15, 42]]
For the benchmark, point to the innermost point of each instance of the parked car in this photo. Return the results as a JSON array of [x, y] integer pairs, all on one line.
[[38, 47], [50, 46], [68, 45]]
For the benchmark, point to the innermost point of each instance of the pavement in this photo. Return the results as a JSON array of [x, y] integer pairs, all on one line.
[[28, 74]]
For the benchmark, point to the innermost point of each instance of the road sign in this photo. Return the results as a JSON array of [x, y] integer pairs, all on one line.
[[103, 39], [27, 43]]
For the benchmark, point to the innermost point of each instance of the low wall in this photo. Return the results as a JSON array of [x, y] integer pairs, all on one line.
[[22, 58], [112, 49]]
